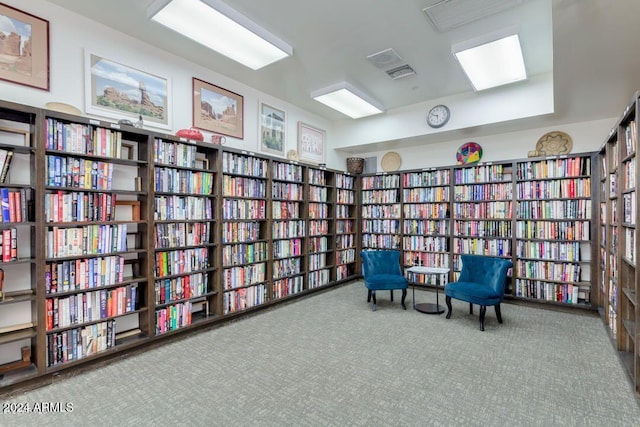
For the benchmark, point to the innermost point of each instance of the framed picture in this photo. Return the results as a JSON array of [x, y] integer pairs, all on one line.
[[272, 129], [24, 48], [122, 92], [310, 143], [217, 110]]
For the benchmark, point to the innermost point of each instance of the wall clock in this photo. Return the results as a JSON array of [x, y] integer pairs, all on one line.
[[438, 116]]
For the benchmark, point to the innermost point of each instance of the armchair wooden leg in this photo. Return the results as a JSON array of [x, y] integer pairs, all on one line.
[[373, 295], [404, 296], [483, 311], [368, 295], [448, 301], [391, 295], [498, 314], [470, 308]]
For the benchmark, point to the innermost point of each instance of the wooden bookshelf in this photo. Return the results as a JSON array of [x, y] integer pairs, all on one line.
[[320, 223], [381, 211], [346, 236]]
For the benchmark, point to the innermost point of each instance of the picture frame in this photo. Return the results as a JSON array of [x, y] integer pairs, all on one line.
[[311, 141], [217, 110], [119, 91], [273, 127], [24, 54]]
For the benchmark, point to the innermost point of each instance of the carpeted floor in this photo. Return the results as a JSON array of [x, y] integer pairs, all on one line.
[[328, 360]]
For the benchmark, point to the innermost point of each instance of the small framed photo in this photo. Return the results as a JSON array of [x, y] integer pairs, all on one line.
[[24, 48], [217, 110], [119, 91], [272, 129], [311, 142]]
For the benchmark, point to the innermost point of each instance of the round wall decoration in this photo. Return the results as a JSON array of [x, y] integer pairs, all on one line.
[[469, 152], [391, 161], [292, 155], [553, 143], [62, 107]]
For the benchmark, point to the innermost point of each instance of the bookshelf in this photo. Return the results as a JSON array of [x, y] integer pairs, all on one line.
[[288, 228], [553, 229], [245, 230], [381, 211], [96, 281], [346, 258], [184, 231], [321, 253], [618, 240]]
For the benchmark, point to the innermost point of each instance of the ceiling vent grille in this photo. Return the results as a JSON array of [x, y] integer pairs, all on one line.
[[400, 72], [448, 14], [385, 58]]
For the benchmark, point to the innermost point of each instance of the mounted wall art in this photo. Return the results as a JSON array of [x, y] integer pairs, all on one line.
[[217, 110]]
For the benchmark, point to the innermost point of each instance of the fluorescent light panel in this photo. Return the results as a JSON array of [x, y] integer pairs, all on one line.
[[492, 64], [348, 100], [217, 26]]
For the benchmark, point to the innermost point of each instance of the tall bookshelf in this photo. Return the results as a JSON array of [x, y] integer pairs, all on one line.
[[21, 327], [618, 240], [96, 282], [346, 259], [245, 280], [482, 212], [381, 211], [288, 228], [184, 231], [426, 226], [321, 221], [553, 229]]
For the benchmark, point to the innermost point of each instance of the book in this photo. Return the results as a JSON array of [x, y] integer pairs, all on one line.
[[5, 166]]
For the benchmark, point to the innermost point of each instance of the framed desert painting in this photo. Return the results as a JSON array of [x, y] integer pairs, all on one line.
[[120, 91], [24, 48], [217, 110], [272, 129], [310, 143]]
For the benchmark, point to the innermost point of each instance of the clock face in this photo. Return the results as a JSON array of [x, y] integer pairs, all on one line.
[[438, 116]]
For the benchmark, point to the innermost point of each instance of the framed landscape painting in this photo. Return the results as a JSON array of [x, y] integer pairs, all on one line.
[[217, 110], [310, 143], [272, 129], [119, 91], [24, 48]]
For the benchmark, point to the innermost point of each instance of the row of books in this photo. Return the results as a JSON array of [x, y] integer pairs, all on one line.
[[549, 270], [288, 229], [554, 168], [285, 210], [240, 186], [317, 177], [237, 232], [287, 286], [380, 196], [319, 210], [426, 178], [318, 194], [418, 257], [87, 240], [480, 174], [387, 226], [287, 248], [241, 299], [346, 197], [78, 343], [319, 278], [482, 192], [318, 227], [287, 191], [482, 228], [630, 138], [344, 241], [345, 211], [244, 209], [344, 271], [493, 247], [485, 210], [426, 210], [425, 226], [6, 157], [246, 275], [380, 181], [286, 267], [426, 243], [380, 241], [629, 207], [422, 195], [555, 189], [345, 256], [245, 253], [78, 206], [82, 139], [14, 205], [319, 244], [83, 273], [174, 153], [183, 181], [317, 261], [169, 208], [554, 209], [343, 226], [629, 174], [537, 289], [345, 181], [556, 230], [559, 251], [181, 261], [74, 172], [381, 211], [181, 234], [244, 165], [630, 244], [9, 244], [287, 172], [183, 287], [173, 317]]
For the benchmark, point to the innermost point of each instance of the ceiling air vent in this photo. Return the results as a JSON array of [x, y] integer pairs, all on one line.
[[448, 14], [400, 72], [385, 58]]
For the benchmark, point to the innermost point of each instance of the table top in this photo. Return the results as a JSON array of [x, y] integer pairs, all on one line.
[[428, 270]]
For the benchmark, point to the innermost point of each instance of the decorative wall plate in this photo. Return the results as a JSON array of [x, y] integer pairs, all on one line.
[[391, 161], [468, 153], [62, 107], [292, 155], [554, 143]]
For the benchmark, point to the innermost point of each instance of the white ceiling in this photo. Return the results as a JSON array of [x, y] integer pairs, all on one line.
[[590, 46]]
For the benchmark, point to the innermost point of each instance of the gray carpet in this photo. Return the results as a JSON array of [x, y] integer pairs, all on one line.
[[328, 360]]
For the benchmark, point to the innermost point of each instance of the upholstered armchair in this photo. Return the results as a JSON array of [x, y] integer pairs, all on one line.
[[482, 281], [382, 272]]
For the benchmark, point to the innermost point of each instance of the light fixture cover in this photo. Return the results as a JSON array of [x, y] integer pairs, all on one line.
[[217, 26], [348, 100], [494, 63]]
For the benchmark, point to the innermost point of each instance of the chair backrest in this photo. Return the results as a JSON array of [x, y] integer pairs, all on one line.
[[486, 270], [380, 262]]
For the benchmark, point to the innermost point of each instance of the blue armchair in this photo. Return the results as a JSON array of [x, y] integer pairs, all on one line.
[[381, 271], [482, 281]]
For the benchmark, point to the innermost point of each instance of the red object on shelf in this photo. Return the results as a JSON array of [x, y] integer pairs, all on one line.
[[191, 133]]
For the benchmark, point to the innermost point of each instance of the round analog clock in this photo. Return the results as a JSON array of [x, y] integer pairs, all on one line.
[[438, 116]]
